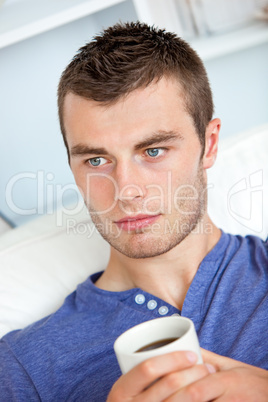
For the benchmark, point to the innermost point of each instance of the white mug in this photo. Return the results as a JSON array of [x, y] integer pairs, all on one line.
[[128, 344]]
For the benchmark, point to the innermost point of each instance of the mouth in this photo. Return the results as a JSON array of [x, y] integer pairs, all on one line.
[[132, 223]]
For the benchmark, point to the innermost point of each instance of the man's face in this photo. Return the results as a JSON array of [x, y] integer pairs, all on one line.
[[137, 164]]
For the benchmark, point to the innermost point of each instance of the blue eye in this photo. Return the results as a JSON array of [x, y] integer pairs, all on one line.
[[97, 161], [153, 152]]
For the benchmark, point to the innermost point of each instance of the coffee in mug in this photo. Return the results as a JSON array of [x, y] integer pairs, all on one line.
[[157, 344], [154, 338]]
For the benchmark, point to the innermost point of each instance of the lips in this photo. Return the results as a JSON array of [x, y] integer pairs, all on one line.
[[131, 223]]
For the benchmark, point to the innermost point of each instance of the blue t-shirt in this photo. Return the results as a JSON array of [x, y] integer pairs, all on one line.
[[69, 355]]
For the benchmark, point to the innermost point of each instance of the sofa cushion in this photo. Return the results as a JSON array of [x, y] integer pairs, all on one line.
[[238, 184], [42, 262]]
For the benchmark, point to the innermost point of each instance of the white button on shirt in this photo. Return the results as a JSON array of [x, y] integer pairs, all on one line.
[[163, 310], [152, 304], [140, 299]]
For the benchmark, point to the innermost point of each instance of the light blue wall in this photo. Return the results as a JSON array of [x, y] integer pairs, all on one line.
[[239, 83]]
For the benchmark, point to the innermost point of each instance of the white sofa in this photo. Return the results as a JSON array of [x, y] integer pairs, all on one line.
[[43, 261]]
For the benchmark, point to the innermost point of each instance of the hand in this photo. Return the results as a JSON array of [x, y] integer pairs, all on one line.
[[158, 378], [221, 379], [233, 381]]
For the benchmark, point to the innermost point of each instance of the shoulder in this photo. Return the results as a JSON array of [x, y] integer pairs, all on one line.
[[234, 306], [242, 272], [251, 250], [237, 268], [69, 341], [82, 318]]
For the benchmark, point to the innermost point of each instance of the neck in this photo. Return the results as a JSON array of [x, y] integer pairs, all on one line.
[[174, 270]]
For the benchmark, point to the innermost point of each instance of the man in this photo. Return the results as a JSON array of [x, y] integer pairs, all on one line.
[[136, 110]]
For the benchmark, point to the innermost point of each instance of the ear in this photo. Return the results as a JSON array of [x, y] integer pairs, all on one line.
[[211, 144]]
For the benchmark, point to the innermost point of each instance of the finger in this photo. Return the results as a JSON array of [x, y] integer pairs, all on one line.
[[171, 383], [239, 384], [208, 388], [218, 361], [221, 362], [140, 377]]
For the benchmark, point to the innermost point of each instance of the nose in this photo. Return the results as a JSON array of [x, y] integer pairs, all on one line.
[[129, 182]]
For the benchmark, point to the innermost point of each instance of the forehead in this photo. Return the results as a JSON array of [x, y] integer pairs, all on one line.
[[160, 106]]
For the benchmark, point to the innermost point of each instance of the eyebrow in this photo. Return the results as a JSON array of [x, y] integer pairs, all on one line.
[[81, 149], [159, 137]]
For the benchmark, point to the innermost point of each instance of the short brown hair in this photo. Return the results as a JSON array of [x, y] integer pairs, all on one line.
[[130, 56]]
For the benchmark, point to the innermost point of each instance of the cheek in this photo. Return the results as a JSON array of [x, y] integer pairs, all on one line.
[[98, 191], [186, 180], [188, 170]]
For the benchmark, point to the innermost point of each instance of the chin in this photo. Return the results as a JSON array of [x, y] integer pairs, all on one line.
[[141, 246]]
